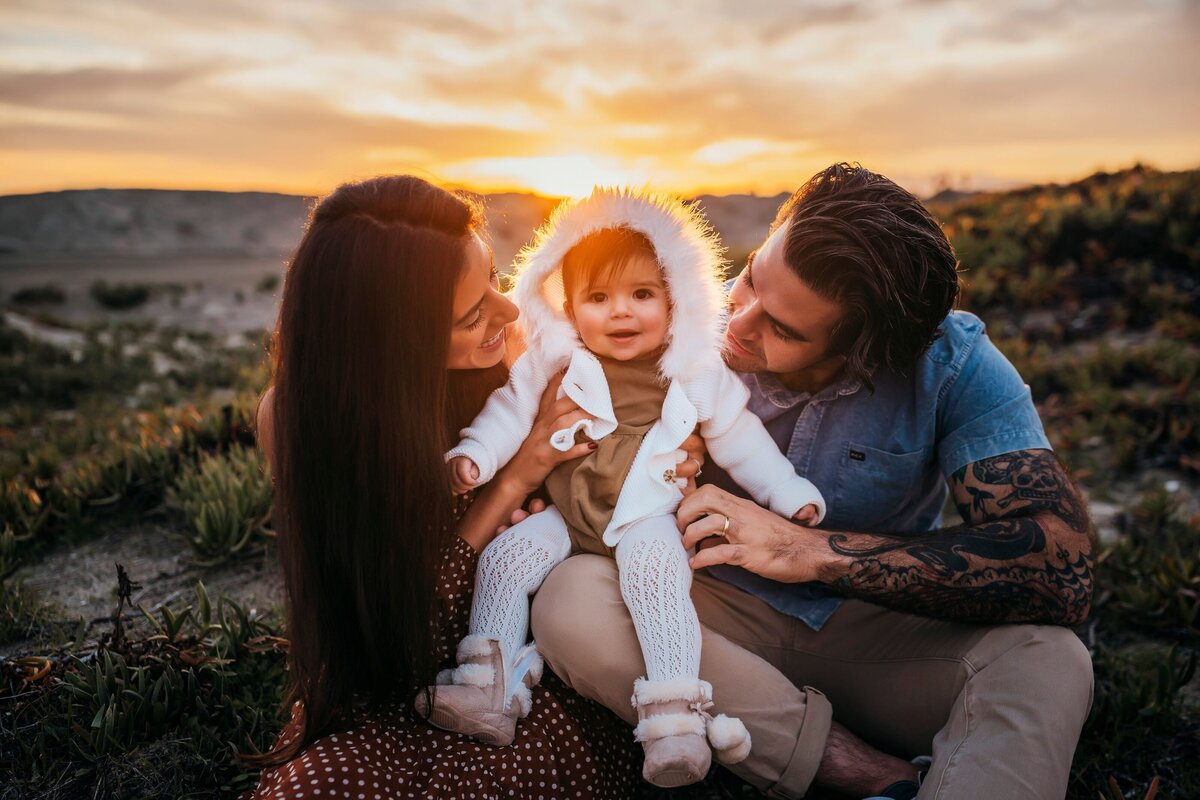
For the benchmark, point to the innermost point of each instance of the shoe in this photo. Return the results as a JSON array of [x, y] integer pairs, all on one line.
[[900, 790], [906, 790], [673, 723], [476, 698], [671, 729]]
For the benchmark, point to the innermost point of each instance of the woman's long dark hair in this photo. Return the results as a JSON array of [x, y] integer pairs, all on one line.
[[361, 423]]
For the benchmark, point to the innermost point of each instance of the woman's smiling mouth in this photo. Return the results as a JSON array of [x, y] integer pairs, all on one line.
[[494, 342]]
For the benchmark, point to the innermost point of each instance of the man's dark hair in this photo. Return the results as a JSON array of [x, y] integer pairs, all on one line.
[[860, 240]]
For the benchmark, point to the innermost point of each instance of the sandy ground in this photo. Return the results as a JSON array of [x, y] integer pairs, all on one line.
[[208, 293], [80, 582]]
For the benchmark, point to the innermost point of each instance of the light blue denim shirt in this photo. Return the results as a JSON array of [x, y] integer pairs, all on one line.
[[881, 459]]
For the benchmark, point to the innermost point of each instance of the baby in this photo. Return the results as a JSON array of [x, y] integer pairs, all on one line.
[[624, 290]]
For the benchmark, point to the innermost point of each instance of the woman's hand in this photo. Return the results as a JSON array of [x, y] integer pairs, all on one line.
[[533, 462], [521, 514]]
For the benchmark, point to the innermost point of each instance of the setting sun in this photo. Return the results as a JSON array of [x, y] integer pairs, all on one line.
[[556, 176]]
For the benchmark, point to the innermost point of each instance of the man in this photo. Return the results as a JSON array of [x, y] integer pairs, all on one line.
[[918, 640]]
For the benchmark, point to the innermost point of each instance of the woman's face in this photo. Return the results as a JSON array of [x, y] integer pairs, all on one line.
[[481, 313]]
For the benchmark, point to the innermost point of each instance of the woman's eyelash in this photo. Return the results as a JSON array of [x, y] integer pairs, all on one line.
[[478, 320]]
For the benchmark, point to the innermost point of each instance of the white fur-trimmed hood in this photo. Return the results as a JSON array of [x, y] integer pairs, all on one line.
[[688, 252]]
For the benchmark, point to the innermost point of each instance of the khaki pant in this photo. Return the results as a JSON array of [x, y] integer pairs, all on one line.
[[1000, 708]]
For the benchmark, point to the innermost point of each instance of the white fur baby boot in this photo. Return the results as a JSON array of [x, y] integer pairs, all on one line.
[[671, 725], [729, 738], [475, 698]]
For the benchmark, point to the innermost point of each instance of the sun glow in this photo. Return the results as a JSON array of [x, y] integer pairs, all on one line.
[[558, 176]]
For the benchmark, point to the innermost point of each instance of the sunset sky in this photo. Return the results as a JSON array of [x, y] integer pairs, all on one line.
[[750, 95]]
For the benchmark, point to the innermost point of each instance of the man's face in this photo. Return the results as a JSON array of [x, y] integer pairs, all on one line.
[[777, 323]]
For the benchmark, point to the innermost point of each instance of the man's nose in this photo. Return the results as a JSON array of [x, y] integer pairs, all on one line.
[[742, 320]]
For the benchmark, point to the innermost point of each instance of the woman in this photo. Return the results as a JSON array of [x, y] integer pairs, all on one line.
[[391, 333]]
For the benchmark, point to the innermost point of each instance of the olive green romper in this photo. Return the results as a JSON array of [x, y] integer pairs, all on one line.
[[585, 489]]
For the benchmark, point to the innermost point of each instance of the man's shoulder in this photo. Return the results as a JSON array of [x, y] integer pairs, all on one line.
[[959, 332]]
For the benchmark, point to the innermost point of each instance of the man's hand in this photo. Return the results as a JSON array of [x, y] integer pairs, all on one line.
[[754, 537]]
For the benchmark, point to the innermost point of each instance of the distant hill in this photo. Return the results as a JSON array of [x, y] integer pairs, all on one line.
[[148, 222], [949, 196], [1136, 213]]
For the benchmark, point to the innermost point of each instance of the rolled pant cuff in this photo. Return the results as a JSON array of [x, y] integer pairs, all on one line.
[[802, 768]]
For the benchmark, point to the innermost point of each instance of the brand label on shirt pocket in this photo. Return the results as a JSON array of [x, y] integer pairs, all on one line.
[[874, 486]]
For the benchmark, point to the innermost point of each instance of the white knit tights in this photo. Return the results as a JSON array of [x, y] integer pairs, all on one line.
[[510, 569], [656, 582]]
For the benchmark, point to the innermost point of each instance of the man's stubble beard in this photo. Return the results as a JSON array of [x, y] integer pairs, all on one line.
[[740, 363]]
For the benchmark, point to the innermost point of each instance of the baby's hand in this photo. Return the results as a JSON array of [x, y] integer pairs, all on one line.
[[463, 474], [807, 516]]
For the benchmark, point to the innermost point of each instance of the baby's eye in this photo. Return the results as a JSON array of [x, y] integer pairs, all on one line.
[[643, 294], [597, 297]]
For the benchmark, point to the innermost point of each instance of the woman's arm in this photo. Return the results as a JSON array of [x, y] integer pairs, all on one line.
[[525, 471], [506, 420], [264, 426]]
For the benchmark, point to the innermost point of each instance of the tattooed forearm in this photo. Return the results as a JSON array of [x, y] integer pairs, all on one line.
[[1023, 554], [1049, 594]]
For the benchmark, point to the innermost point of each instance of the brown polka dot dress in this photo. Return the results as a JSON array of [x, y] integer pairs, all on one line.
[[567, 747]]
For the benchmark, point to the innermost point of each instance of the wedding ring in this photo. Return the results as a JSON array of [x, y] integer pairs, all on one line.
[[725, 527], [699, 471]]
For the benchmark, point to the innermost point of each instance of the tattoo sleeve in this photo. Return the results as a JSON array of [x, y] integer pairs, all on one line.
[[1023, 554]]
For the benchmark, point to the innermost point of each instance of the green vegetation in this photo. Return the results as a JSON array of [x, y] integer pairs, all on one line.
[[120, 296], [267, 284], [1120, 249], [1092, 289], [225, 500], [45, 294], [89, 443], [164, 716]]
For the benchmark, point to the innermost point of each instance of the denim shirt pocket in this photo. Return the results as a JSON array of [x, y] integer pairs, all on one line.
[[873, 485]]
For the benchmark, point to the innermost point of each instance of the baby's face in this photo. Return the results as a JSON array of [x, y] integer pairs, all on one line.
[[625, 317]]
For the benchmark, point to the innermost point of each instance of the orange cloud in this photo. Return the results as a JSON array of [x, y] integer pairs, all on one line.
[[752, 96]]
